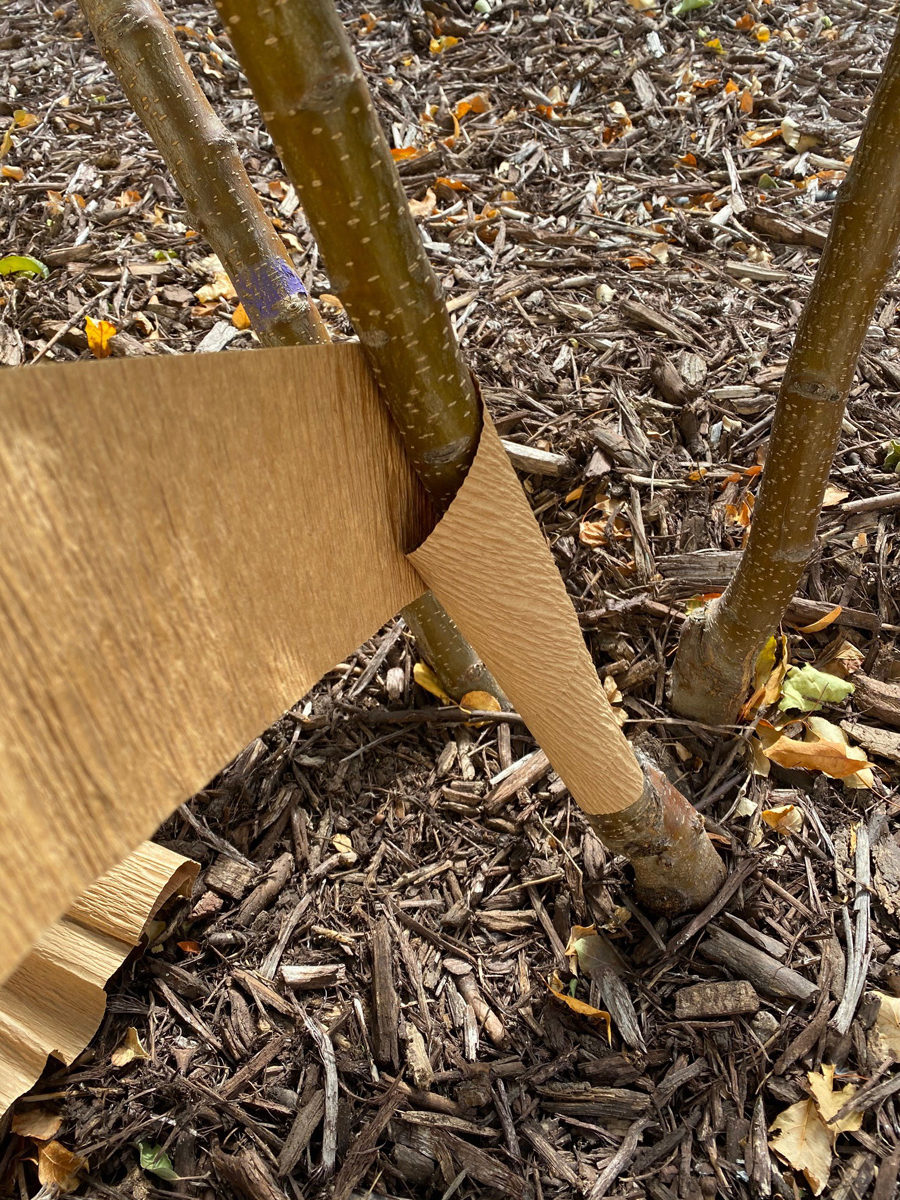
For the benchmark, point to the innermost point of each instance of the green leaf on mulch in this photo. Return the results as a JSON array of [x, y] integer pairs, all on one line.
[[892, 457], [686, 6], [23, 264], [807, 689], [155, 1160]]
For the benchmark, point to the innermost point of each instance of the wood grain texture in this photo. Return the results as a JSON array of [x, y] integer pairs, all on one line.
[[188, 544], [489, 565], [54, 1002]]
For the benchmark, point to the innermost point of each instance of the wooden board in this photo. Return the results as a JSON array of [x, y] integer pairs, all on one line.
[[188, 544]]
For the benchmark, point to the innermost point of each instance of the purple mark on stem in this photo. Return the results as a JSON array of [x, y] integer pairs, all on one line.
[[263, 287]]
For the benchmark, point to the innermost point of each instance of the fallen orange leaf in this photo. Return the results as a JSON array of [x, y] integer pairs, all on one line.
[[830, 758], [59, 1167], [477, 102], [823, 622], [579, 1006], [239, 318], [99, 335]]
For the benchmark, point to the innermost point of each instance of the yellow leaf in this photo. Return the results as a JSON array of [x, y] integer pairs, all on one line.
[[765, 665], [239, 318], [823, 622], [59, 1167], [716, 46], [7, 144], [480, 702], [25, 120], [398, 154], [762, 33], [885, 1033], [829, 1102], [829, 757], [439, 44], [99, 335], [128, 1050], [455, 185], [746, 102], [426, 678], [783, 818], [579, 1006], [804, 1142], [776, 678], [15, 173], [342, 843], [37, 1122]]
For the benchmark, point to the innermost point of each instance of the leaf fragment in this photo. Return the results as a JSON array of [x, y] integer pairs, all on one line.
[[128, 1050], [803, 1141], [438, 45], [37, 1122], [426, 678], [597, 1015], [478, 701], [59, 1167], [783, 818], [884, 1035], [155, 1160], [829, 1102], [23, 264], [823, 622], [476, 102], [832, 758], [686, 6], [807, 689], [424, 207], [99, 335], [239, 318]]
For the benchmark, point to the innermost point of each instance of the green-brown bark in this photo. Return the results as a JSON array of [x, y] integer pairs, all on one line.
[[317, 107], [718, 649], [140, 46], [318, 110]]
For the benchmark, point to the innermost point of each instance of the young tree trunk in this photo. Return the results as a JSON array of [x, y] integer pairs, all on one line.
[[719, 647], [140, 46], [319, 112]]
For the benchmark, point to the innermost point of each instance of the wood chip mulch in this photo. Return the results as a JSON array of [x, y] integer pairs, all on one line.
[[357, 1001]]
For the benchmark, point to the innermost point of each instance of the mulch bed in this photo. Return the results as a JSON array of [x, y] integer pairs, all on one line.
[[356, 1002]]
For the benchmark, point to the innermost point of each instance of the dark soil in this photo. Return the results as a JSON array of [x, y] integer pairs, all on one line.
[[620, 247]]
